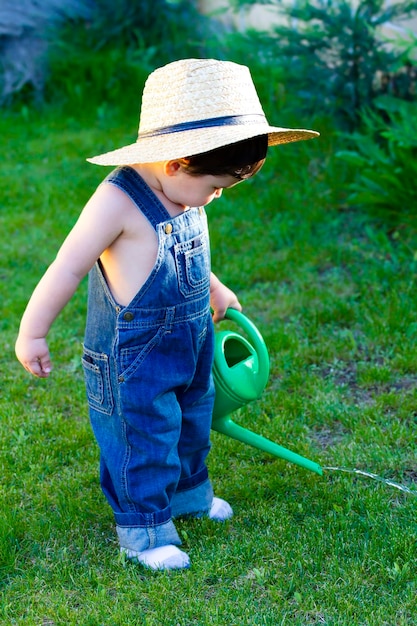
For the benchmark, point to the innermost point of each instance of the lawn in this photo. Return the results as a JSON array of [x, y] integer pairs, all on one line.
[[334, 296]]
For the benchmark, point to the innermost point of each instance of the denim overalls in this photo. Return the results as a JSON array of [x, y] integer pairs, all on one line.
[[148, 376]]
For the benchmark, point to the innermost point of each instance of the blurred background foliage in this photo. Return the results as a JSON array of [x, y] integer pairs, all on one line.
[[330, 64]]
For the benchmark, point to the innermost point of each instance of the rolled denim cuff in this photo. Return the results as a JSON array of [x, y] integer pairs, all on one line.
[[135, 518], [194, 502], [143, 538]]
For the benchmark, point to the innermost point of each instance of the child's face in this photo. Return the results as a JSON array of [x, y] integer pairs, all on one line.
[[201, 190], [193, 191]]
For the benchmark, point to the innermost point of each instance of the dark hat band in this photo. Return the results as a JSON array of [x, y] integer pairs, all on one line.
[[226, 120]]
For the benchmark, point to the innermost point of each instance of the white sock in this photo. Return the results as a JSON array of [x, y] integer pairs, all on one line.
[[164, 557], [220, 510]]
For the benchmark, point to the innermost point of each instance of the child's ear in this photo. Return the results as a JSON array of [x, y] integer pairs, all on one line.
[[172, 167]]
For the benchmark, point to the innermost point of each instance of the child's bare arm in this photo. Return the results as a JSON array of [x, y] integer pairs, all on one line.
[[221, 298], [98, 226]]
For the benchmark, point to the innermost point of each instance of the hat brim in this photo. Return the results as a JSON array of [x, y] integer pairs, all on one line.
[[196, 141]]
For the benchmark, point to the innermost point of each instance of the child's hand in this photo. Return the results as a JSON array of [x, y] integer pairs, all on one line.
[[34, 356], [221, 299]]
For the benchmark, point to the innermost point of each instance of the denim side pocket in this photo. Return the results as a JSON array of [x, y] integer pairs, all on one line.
[[193, 265], [97, 379]]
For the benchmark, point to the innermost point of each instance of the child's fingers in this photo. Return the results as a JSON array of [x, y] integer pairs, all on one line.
[[46, 365], [218, 315], [34, 355], [40, 367]]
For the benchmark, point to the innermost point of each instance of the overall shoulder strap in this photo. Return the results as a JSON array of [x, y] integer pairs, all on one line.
[[128, 179]]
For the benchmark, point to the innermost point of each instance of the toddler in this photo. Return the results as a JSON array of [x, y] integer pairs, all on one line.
[[148, 346]]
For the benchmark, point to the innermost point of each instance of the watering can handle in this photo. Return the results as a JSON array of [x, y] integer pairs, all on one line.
[[255, 337]]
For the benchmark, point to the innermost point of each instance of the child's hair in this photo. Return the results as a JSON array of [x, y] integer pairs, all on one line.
[[240, 160]]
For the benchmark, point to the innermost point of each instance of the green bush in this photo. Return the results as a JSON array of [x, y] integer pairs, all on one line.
[[383, 155], [333, 53], [88, 56], [170, 27], [80, 74]]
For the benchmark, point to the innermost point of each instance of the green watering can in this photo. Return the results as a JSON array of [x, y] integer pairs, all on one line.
[[241, 372]]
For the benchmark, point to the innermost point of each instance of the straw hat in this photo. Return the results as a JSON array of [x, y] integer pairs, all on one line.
[[196, 105]]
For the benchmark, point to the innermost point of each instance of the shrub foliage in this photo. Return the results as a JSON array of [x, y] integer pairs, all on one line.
[[383, 157], [337, 57]]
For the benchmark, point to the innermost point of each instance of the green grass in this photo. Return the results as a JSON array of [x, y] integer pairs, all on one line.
[[335, 299]]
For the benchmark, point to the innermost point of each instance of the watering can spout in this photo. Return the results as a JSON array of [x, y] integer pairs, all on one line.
[[240, 373]]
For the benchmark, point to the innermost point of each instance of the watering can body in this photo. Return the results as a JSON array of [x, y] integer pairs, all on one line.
[[240, 367], [240, 373]]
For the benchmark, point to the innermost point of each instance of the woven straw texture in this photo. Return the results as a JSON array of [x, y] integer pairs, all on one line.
[[195, 90]]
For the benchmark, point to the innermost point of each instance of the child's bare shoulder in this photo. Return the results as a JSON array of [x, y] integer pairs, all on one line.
[[110, 195], [109, 203]]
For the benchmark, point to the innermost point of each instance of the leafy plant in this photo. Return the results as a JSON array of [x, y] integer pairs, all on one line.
[[172, 26], [334, 51], [92, 43], [384, 154]]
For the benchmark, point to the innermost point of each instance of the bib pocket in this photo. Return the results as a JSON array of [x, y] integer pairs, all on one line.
[[192, 260], [97, 379]]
